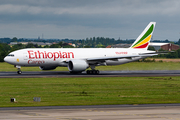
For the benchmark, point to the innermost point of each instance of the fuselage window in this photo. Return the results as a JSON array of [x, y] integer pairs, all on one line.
[[12, 55]]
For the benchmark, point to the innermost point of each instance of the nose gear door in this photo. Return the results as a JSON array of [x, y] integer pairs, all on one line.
[[25, 56]]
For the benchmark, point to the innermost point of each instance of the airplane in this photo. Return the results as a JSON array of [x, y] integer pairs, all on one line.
[[79, 59]]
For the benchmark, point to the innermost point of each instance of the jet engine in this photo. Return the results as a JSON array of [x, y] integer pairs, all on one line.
[[77, 65], [47, 67]]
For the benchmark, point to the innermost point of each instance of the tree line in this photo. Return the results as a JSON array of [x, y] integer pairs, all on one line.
[[92, 42], [5, 49]]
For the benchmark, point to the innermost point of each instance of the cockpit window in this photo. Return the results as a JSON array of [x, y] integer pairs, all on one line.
[[12, 55]]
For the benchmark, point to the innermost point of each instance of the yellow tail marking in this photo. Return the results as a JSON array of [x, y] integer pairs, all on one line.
[[144, 41]]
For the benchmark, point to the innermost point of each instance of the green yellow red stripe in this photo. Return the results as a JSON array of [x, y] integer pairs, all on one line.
[[145, 38], [144, 41]]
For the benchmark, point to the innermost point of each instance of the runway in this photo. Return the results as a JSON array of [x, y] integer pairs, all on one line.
[[60, 74], [102, 112]]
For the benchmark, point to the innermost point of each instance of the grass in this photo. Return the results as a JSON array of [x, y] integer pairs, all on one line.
[[89, 91], [128, 66], [92, 91]]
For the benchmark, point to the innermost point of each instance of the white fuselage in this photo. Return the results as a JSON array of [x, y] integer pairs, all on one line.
[[60, 56]]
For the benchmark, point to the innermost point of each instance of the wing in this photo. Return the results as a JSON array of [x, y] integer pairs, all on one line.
[[121, 57]]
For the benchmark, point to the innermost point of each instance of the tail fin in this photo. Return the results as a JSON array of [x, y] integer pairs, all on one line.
[[142, 42]]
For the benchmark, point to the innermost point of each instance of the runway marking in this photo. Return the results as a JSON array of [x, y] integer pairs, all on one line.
[[32, 114], [128, 114], [43, 115], [72, 119]]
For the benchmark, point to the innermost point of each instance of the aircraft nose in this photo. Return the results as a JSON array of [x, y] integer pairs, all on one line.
[[6, 59]]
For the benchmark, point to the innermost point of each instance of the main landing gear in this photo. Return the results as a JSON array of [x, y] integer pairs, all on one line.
[[19, 69], [93, 71]]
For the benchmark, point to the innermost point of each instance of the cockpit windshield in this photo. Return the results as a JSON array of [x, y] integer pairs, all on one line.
[[12, 55]]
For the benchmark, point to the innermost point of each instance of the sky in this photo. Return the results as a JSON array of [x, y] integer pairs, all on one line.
[[81, 19]]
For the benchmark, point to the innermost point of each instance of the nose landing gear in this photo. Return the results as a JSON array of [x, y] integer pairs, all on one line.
[[19, 72], [19, 69]]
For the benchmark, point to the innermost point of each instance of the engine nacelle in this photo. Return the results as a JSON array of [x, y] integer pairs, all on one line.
[[77, 65], [47, 67]]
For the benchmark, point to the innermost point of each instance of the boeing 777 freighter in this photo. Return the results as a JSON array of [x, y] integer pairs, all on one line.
[[79, 59]]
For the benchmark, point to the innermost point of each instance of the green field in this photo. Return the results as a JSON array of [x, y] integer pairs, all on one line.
[[92, 91], [89, 91]]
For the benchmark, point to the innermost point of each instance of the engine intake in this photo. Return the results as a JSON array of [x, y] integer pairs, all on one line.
[[77, 65]]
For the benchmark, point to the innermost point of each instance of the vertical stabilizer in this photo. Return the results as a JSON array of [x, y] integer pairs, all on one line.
[[142, 42]]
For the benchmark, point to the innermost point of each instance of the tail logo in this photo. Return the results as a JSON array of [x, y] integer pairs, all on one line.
[[143, 42]]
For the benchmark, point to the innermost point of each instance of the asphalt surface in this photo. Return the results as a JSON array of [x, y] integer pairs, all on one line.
[[102, 74], [101, 112]]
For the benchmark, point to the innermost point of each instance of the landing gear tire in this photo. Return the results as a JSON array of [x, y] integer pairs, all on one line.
[[97, 71], [88, 71], [94, 72], [19, 72]]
